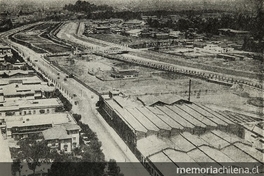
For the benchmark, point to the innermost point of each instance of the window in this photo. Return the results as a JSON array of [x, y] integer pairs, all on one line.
[[34, 111], [25, 112], [48, 110], [65, 147], [74, 144], [74, 138]]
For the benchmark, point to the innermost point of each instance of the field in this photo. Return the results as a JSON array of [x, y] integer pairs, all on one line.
[[32, 38]]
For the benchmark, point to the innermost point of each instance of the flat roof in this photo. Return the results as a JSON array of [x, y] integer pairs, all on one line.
[[142, 119], [196, 115], [186, 116], [37, 103], [206, 114], [18, 88], [23, 80], [165, 118], [39, 119], [183, 122], [154, 119]]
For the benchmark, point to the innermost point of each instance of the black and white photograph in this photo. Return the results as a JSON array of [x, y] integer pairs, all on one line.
[[131, 87]]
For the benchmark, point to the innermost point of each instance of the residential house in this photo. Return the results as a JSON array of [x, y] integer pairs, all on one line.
[[63, 137]]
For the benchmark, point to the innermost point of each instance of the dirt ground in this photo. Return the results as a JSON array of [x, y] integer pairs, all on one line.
[[151, 81]]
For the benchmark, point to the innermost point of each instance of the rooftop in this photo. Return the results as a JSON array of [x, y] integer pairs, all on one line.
[[59, 131], [23, 104], [56, 132], [168, 99], [40, 119]]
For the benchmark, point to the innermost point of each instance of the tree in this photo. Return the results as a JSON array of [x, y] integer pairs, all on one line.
[[16, 167], [259, 18], [33, 150], [113, 169]]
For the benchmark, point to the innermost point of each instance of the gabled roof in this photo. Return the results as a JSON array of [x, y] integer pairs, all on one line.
[[168, 99], [57, 132]]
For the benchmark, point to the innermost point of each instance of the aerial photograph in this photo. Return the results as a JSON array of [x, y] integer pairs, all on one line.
[[131, 87]]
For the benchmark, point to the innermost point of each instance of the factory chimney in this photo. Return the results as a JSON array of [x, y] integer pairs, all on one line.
[[190, 83]]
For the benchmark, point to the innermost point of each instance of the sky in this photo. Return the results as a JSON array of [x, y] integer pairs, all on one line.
[[134, 4]]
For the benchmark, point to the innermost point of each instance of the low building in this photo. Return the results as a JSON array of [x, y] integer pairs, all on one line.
[[18, 127], [102, 30], [62, 137], [5, 51], [30, 107], [134, 23], [161, 36], [27, 91], [213, 49], [234, 33], [127, 73], [15, 73], [134, 32]]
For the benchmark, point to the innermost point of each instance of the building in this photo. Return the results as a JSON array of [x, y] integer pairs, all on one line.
[[127, 73], [18, 127], [133, 24], [23, 80], [254, 133], [213, 149], [5, 51], [133, 32], [160, 116], [14, 73], [63, 137], [233, 33], [26, 91], [102, 30], [30, 107], [213, 49]]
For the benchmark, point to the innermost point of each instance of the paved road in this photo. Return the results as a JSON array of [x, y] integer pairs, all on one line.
[[112, 145]]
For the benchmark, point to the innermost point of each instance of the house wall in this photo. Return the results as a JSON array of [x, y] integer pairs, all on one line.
[[75, 138], [66, 145], [29, 112]]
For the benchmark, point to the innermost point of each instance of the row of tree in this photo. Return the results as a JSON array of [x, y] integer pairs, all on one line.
[[84, 6]]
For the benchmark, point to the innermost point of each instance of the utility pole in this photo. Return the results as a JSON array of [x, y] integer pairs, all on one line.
[[190, 83]]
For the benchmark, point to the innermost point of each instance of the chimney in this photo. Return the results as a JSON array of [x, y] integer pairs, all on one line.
[[190, 83]]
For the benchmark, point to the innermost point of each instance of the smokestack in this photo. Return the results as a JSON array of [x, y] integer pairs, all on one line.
[[190, 83]]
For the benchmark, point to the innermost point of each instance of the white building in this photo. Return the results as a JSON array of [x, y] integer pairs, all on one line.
[[213, 49], [63, 137]]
